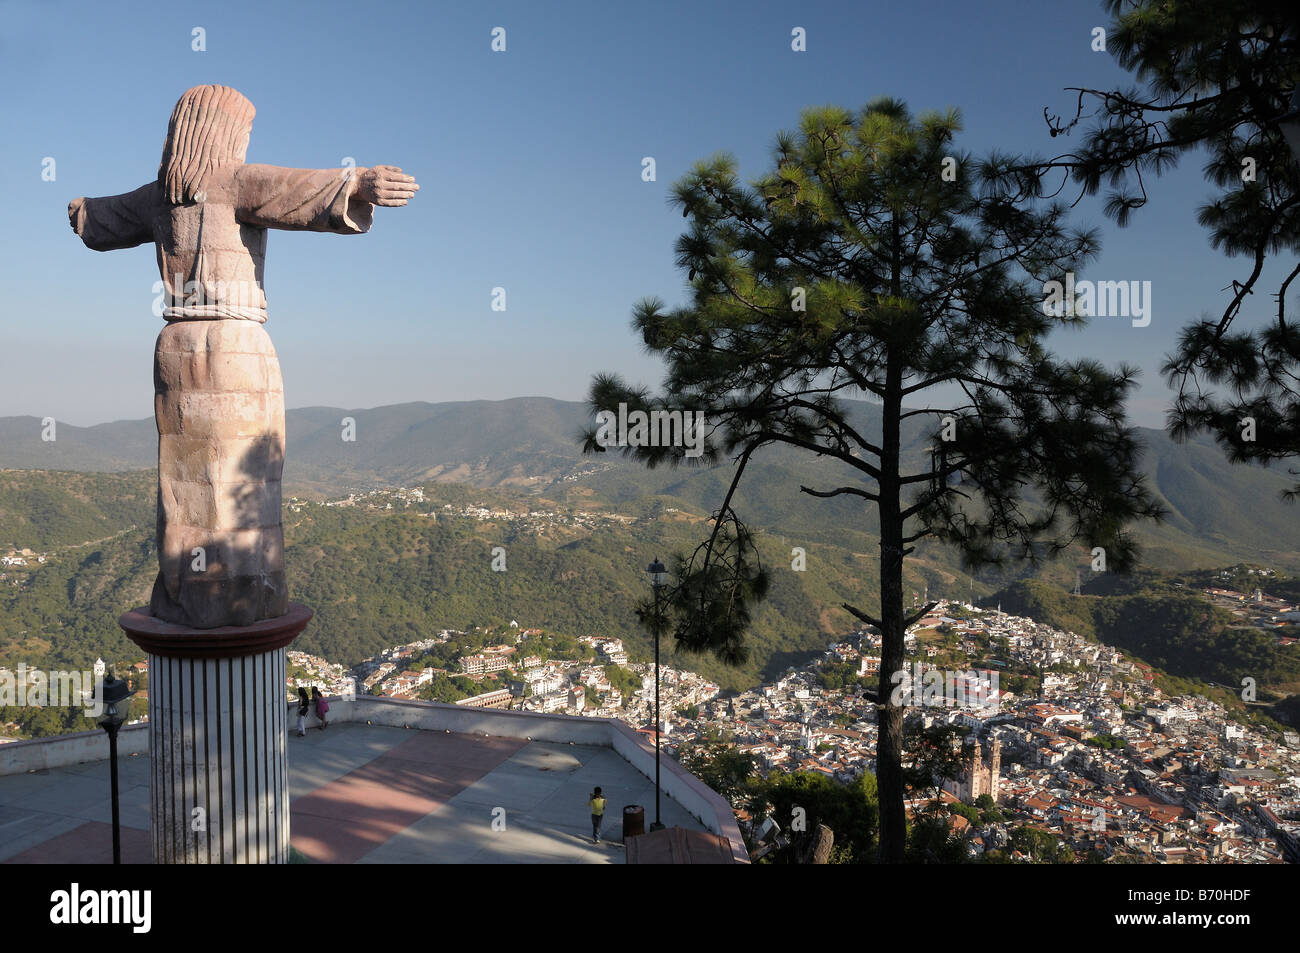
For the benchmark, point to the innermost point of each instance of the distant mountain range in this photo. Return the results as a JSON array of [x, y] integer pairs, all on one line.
[[484, 443], [1218, 512]]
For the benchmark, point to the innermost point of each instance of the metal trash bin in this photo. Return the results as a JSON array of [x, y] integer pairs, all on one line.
[[633, 821]]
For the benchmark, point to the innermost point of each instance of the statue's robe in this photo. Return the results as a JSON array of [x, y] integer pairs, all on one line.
[[219, 397]]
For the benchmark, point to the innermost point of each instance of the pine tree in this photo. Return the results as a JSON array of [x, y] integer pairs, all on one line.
[[1219, 76], [870, 262]]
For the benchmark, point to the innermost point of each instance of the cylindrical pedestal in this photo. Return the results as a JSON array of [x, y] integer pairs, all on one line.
[[219, 790]]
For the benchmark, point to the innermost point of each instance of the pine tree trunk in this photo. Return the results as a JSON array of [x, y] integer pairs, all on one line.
[[889, 748]]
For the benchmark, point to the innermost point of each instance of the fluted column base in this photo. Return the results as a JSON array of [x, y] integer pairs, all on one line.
[[219, 790]]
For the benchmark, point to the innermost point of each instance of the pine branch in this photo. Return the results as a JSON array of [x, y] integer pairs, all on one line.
[[916, 616], [862, 616]]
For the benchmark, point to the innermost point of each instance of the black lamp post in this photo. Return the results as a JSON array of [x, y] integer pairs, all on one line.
[[114, 693], [658, 576]]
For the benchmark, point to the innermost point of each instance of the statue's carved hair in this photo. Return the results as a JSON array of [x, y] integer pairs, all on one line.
[[206, 132]]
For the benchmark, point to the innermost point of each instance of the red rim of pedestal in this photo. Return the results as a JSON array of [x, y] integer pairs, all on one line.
[[159, 637]]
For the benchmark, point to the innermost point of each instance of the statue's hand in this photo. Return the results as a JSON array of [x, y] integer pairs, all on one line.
[[385, 185], [74, 211]]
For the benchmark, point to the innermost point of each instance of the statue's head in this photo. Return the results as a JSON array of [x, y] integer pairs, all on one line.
[[209, 129]]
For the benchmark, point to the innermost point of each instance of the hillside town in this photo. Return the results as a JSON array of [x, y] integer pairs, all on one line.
[[1175, 781], [24, 559], [403, 498], [1257, 608], [512, 677], [1095, 755]]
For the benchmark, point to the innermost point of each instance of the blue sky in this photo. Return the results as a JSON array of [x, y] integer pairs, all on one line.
[[530, 169]]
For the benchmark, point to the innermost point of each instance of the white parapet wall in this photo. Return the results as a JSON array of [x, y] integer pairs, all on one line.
[[438, 716], [40, 754]]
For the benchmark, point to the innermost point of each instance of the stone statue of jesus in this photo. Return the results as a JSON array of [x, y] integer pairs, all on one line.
[[219, 398]]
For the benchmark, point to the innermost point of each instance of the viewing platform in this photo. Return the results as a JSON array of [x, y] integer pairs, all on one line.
[[388, 781]]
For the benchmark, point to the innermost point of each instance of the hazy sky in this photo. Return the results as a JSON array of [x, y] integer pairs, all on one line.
[[530, 168]]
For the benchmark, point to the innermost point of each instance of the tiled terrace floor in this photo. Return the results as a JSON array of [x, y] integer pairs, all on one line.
[[367, 794]]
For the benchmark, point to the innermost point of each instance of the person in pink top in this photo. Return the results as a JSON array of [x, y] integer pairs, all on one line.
[[322, 706]]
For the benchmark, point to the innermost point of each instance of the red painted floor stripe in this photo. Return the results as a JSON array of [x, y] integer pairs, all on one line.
[[91, 843], [342, 821]]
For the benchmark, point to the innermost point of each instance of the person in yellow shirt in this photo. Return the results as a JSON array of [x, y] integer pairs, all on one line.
[[597, 806]]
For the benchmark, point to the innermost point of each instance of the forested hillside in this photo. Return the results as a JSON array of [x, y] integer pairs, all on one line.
[[379, 577]]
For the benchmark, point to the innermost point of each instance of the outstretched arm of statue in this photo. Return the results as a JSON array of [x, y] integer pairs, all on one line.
[[115, 221], [318, 200], [385, 185]]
